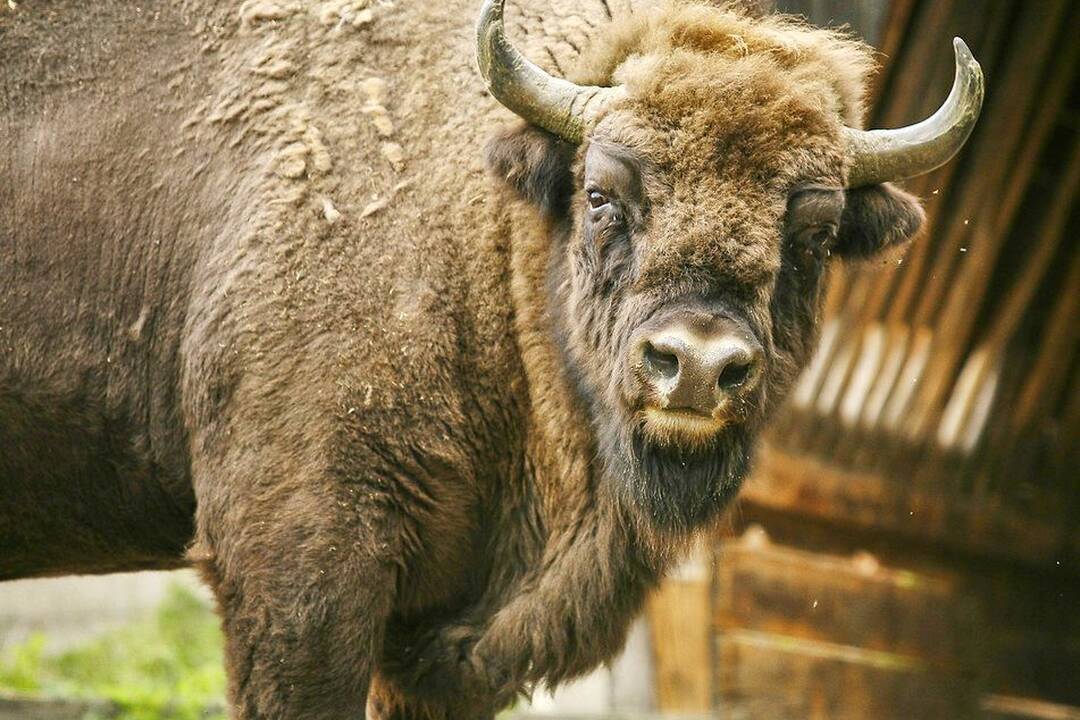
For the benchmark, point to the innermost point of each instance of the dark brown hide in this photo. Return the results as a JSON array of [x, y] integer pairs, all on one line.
[[378, 399]]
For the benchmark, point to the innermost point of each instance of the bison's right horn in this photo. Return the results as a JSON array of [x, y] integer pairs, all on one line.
[[878, 156], [554, 104]]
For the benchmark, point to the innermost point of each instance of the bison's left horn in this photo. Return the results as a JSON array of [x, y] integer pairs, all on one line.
[[556, 105], [882, 155]]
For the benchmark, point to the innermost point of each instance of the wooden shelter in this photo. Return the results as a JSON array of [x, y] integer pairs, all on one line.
[[909, 545]]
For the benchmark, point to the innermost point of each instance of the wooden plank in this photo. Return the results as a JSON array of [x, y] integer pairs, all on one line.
[[771, 676], [991, 148], [808, 486], [906, 92], [618, 715], [1023, 658], [896, 375], [871, 286], [896, 25], [852, 601], [1049, 372], [1071, 452], [1009, 629], [1005, 707], [679, 625], [923, 62]]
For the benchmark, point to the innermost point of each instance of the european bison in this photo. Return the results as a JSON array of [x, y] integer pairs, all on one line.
[[429, 437]]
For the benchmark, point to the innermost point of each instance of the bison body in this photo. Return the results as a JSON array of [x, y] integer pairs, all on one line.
[[429, 435]]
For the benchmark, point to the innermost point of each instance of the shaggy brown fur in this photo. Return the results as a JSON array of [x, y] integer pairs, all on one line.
[[399, 439]]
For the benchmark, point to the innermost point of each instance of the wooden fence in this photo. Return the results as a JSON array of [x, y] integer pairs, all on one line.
[[945, 391]]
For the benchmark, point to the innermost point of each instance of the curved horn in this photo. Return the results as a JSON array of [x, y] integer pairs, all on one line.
[[554, 104], [878, 156]]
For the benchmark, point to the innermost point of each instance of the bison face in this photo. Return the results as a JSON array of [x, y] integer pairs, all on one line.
[[695, 189], [667, 310], [687, 285]]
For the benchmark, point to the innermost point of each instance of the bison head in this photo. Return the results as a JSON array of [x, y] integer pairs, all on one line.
[[696, 185]]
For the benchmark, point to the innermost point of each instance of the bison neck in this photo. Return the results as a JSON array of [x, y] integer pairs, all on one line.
[[573, 608]]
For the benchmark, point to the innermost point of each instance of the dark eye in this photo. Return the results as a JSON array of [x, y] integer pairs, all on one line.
[[597, 199], [816, 240], [819, 236], [822, 236]]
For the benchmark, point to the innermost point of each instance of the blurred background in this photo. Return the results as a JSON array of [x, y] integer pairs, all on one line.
[[908, 545]]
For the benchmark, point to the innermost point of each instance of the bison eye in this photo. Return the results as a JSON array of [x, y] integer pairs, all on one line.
[[816, 240], [597, 199], [822, 235]]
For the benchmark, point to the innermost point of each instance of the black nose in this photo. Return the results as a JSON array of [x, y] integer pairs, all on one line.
[[698, 368]]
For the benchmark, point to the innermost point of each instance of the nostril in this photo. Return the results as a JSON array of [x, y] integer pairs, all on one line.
[[734, 375], [664, 364]]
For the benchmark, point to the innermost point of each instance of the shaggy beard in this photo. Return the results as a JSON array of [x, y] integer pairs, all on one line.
[[672, 489]]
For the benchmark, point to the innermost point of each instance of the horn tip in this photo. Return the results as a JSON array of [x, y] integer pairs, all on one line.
[[968, 67], [964, 56], [491, 11]]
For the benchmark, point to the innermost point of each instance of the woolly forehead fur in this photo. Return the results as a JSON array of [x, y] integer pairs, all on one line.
[[732, 111], [685, 48]]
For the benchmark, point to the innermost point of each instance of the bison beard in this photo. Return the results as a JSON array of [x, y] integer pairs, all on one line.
[[674, 489], [682, 489]]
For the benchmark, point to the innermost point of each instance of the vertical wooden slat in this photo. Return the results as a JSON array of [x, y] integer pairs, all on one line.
[[896, 24], [680, 620], [1049, 371], [990, 224], [1046, 243]]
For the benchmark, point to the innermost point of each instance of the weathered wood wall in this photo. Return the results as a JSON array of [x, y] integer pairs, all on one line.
[[946, 387]]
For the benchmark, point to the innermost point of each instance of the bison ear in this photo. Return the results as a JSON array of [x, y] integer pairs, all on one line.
[[534, 163], [876, 218]]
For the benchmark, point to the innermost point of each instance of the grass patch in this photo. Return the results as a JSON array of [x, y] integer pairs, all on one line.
[[167, 666]]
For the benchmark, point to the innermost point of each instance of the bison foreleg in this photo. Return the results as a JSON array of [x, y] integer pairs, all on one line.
[[304, 578], [570, 617], [566, 618]]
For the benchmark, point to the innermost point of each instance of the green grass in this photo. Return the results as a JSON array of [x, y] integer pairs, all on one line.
[[167, 666]]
